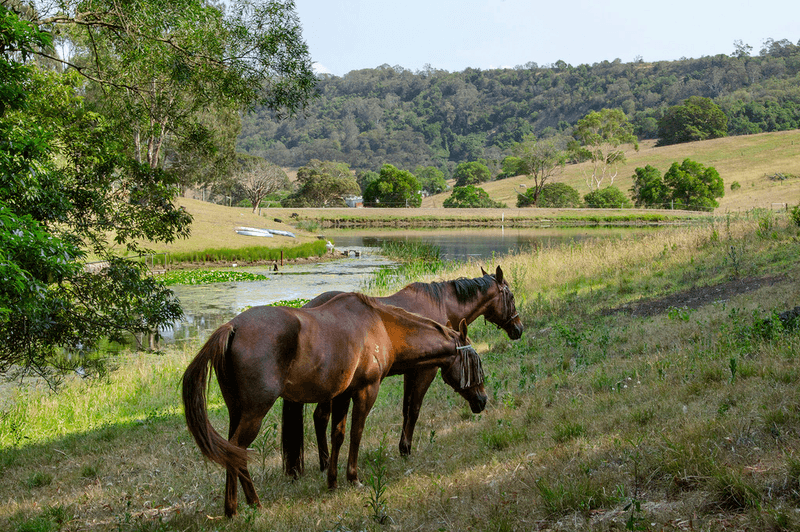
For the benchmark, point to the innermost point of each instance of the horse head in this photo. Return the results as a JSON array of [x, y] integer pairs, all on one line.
[[465, 374], [503, 312]]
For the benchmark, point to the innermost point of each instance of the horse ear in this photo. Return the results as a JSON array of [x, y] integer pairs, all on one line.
[[462, 330], [499, 275], [449, 325], [483, 272]]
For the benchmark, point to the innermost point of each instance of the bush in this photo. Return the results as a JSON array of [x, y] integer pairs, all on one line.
[[735, 185], [607, 198], [554, 195], [471, 173], [559, 195], [795, 214], [471, 196]]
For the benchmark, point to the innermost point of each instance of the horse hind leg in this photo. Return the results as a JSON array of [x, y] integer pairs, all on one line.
[[243, 432]]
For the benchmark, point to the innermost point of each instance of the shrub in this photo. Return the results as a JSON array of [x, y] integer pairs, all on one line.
[[551, 195], [607, 198], [795, 214], [471, 196]]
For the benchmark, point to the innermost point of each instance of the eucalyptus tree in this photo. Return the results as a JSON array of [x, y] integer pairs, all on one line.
[[601, 137], [539, 159], [83, 172], [156, 67], [259, 178]]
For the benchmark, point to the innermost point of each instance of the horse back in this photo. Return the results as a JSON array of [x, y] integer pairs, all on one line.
[[304, 355]]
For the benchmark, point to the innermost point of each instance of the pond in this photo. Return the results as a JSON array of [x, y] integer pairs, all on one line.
[[209, 306]]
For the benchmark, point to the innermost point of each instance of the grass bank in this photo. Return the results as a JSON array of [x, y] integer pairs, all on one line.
[[655, 388]]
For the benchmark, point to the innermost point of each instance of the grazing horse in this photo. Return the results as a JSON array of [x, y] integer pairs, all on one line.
[[448, 301], [336, 353]]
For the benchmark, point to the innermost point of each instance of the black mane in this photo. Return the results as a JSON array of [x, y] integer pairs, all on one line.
[[465, 289]]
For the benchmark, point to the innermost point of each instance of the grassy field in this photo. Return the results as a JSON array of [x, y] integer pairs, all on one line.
[[747, 160], [654, 388]]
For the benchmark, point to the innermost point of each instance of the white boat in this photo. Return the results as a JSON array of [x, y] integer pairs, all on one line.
[[253, 231], [280, 232]]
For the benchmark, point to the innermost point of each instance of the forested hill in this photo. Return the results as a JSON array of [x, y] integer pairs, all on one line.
[[391, 115]]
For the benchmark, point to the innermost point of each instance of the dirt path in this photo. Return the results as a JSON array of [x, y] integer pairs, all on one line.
[[696, 297]]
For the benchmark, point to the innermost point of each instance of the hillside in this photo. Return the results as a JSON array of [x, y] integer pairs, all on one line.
[[748, 160], [370, 117]]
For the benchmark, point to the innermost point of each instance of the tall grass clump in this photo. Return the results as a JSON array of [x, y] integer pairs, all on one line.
[[416, 260], [251, 254]]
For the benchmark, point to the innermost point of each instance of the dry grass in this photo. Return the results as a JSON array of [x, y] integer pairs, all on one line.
[[689, 419], [744, 159], [213, 227]]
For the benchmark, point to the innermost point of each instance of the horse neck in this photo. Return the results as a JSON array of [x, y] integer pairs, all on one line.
[[448, 308], [418, 341]]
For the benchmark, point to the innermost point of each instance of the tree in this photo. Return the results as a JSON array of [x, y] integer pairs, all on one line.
[[259, 178], [553, 195], [600, 136], [393, 188], [323, 184], [158, 69], [648, 188], [698, 118], [540, 159], [471, 173], [431, 179], [67, 192], [607, 198], [73, 184], [510, 166], [471, 196], [366, 177], [694, 186]]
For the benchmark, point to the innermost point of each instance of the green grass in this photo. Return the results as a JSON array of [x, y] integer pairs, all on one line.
[[598, 419], [250, 254]]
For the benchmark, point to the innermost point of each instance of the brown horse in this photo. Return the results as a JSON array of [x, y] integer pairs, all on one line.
[[338, 352], [449, 301]]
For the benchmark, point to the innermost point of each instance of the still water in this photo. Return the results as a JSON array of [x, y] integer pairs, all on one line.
[[209, 306]]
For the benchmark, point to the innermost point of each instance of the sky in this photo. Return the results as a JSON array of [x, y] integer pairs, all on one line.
[[454, 35]]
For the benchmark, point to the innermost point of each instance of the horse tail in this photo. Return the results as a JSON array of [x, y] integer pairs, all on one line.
[[195, 383], [292, 438]]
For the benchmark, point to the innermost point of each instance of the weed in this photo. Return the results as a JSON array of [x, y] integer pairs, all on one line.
[[89, 472], [683, 313], [567, 431], [376, 482], [502, 436], [38, 480]]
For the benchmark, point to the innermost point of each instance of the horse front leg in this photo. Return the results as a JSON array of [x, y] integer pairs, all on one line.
[[415, 386], [339, 407], [322, 414], [362, 404]]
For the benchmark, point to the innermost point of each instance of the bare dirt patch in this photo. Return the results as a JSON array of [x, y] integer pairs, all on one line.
[[696, 297]]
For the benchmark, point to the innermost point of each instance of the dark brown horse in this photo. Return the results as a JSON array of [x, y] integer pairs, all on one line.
[[449, 301], [337, 353]]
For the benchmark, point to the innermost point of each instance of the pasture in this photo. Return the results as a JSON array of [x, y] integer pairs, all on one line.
[[654, 388]]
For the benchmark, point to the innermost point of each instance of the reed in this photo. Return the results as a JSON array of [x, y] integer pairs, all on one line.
[[249, 254]]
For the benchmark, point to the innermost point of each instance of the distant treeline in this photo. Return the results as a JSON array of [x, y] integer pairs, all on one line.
[[437, 118]]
